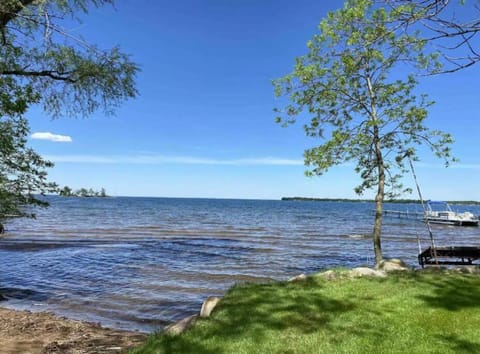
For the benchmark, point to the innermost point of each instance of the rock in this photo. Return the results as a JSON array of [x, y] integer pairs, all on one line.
[[392, 265], [181, 326], [328, 275], [208, 306], [471, 269], [300, 277], [366, 272]]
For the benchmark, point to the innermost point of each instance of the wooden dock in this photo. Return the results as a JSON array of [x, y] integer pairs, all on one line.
[[404, 214], [453, 255]]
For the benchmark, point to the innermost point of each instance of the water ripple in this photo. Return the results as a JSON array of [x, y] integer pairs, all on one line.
[[139, 263]]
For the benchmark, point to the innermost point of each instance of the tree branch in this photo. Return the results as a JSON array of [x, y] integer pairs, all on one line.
[[61, 76]]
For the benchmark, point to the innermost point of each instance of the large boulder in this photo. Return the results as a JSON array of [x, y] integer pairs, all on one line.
[[392, 265], [208, 306], [328, 275], [366, 272], [181, 326]]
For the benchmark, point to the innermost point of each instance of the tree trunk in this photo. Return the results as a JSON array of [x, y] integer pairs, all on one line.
[[377, 227]]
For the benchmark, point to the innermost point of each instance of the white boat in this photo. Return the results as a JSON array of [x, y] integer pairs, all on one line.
[[441, 213]]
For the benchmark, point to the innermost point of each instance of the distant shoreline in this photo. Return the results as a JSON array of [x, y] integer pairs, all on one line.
[[395, 201]]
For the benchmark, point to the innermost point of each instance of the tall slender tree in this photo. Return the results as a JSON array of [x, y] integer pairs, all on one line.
[[355, 93]]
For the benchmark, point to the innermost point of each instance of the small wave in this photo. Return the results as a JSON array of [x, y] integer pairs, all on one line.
[[358, 236]]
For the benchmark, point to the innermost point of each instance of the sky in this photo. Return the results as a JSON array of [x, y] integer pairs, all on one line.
[[203, 124]]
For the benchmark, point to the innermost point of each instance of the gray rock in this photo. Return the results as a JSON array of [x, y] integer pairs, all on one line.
[[208, 306], [471, 269], [392, 265], [300, 277], [182, 325], [328, 275], [366, 272]]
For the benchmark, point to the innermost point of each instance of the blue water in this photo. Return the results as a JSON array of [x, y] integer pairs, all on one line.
[[140, 263]]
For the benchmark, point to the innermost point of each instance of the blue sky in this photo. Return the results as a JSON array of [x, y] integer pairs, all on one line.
[[203, 124]]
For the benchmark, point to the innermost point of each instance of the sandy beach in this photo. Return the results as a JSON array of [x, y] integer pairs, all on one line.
[[29, 332]]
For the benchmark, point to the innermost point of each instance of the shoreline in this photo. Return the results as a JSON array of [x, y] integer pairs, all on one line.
[[391, 201], [23, 331]]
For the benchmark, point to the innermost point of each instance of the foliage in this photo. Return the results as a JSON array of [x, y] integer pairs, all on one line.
[[22, 170], [74, 77], [65, 192], [41, 63], [352, 85], [82, 192], [414, 312]]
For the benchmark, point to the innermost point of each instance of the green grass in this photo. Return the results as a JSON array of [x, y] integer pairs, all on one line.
[[414, 312]]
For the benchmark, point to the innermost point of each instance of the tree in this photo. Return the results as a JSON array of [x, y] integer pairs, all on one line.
[[351, 86], [42, 64], [73, 76], [455, 37], [22, 171], [82, 192], [66, 192]]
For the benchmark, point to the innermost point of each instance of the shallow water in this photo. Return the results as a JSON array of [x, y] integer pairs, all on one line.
[[139, 263]]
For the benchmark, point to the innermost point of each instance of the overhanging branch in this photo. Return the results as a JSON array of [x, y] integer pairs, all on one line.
[[61, 76]]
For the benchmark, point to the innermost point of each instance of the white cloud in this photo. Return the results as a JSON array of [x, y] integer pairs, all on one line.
[[466, 166], [57, 138], [81, 159], [473, 166], [161, 159]]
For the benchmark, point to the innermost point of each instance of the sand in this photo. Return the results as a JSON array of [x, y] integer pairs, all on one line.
[[30, 332]]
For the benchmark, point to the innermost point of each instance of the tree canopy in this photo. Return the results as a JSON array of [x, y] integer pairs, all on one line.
[[41, 63], [73, 76], [66, 191], [22, 170], [355, 93], [451, 27]]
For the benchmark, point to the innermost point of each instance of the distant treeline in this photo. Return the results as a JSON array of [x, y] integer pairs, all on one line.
[[404, 201], [82, 192]]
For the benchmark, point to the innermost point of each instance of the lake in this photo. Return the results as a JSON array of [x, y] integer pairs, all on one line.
[[140, 263]]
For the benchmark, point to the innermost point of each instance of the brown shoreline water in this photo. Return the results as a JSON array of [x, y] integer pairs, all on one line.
[[43, 333]]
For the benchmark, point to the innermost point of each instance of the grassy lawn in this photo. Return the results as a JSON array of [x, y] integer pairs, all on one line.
[[414, 312]]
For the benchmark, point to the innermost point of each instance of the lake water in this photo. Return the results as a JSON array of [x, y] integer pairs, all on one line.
[[140, 263]]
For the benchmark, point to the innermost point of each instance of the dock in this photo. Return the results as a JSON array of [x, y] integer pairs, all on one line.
[[453, 255], [404, 214]]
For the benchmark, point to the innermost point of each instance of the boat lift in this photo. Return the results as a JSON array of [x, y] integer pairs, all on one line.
[[451, 255], [464, 255]]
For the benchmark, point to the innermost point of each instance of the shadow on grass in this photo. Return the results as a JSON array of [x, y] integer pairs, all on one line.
[[459, 345], [174, 344], [278, 307], [453, 293], [260, 313]]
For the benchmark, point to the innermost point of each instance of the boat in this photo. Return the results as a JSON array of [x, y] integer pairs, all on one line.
[[439, 212]]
